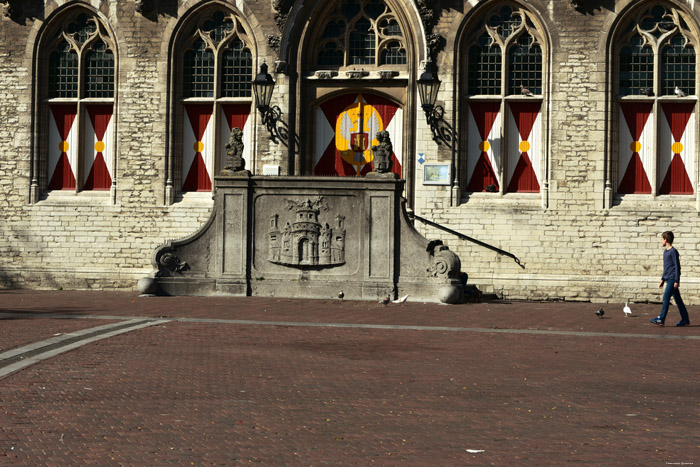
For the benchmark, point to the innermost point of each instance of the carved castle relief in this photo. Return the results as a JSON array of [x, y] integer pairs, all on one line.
[[305, 241]]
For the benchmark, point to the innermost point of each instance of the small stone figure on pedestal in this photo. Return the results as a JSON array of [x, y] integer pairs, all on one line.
[[382, 153], [234, 153]]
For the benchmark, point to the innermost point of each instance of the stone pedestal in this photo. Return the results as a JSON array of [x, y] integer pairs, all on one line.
[[308, 237]]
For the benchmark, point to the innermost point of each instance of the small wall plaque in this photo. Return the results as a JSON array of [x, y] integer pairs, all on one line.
[[271, 170], [436, 174]]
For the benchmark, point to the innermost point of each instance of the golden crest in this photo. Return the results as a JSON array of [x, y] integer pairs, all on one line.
[[356, 132]]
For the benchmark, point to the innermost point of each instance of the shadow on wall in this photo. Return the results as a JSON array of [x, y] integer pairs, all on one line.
[[589, 7]]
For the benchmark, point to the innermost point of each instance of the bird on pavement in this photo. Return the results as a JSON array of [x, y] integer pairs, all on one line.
[[400, 300], [525, 91], [627, 310], [384, 301], [600, 313], [341, 295], [678, 92]]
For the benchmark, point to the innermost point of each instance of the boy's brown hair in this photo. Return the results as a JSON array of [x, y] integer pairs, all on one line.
[[668, 236]]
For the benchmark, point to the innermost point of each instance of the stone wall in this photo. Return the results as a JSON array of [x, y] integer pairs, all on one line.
[[574, 241]]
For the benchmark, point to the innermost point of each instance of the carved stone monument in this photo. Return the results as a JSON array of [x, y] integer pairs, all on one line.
[[382, 153], [308, 237], [234, 153]]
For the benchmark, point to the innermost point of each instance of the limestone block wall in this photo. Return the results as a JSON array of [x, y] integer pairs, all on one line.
[[574, 240], [572, 243]]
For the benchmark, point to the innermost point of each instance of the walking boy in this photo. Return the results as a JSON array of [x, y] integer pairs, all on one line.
[[672, 277]]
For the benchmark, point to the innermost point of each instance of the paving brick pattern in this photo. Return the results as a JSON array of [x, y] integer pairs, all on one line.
[[201, 393]]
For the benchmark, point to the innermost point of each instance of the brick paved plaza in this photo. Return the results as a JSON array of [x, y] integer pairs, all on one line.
[[229, 381]]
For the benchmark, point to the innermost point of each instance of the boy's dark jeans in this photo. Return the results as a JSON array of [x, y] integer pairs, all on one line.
[[672, 291]]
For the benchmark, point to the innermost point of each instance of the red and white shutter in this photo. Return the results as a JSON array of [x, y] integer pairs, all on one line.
[[99, 151], [329, 145], [198, 148], [235, 116], [484, 138], [676, 148], [636, 152], [63, 147], [524, 147]]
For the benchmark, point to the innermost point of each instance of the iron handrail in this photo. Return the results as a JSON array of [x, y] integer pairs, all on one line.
[[468, 238]]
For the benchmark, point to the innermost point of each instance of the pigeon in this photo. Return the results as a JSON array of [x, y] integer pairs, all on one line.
[[525, 91], [627, 310], [678, 92], [600, 313], [491, 188], [646, 92], [400, 300], [341, 295], [384, 301]]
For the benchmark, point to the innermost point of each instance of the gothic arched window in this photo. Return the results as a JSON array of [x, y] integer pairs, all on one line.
[[656, 103], [504, 87], [361, 32], [217, 74], [80, 89]]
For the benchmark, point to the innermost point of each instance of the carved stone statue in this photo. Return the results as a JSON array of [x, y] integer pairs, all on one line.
[[234, 152], [382, 153]]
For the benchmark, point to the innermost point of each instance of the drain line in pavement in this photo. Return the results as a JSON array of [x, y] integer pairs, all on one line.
[[22, 357]]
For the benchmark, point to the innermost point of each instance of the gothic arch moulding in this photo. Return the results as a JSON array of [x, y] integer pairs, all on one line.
[[75, 63], [503, 61], [212, 58]]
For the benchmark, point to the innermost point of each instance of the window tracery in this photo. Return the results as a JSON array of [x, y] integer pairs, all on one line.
[[361, 32], [657, 38], [218, 42], [510, 29], [655, 103]]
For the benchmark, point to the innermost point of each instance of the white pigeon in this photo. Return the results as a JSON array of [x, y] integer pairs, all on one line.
[[525, 91], [400, 300], [678, 92], [627, 310]]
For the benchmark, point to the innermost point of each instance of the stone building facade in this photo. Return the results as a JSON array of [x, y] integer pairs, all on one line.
[[564, 134]]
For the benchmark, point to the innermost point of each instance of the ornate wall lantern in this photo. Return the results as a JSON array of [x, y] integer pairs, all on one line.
[[428, 86], [263, 85]]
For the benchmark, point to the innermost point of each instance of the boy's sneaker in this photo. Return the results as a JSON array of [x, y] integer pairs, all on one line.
[[658, 321], [683, 323]]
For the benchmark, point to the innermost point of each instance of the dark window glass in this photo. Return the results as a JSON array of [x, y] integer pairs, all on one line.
[[677, 67], [390, 28], [237, 70], [362, 44], [330, 55], [505, 21], [485, 67], [525, 62], [63, 72], [199, 71], [636, 67], [334, 30], [394, 54], [218, 27], [350, 9], [374, 8], [82, 28], [99, 72]]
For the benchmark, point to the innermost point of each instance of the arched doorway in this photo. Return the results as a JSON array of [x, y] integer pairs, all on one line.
[[346, 128]]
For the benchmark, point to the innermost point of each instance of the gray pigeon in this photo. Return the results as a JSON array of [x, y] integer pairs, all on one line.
[[678, 92], [646, 92], [600, 313], [384, 301]]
